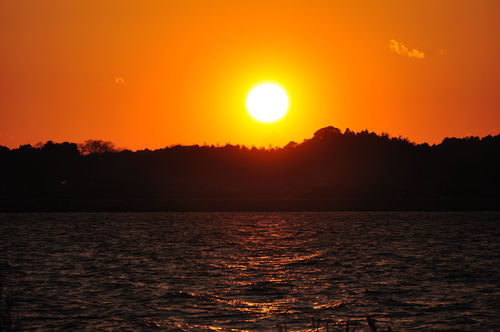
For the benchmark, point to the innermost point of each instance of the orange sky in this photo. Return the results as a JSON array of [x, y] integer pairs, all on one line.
[[155, 73]]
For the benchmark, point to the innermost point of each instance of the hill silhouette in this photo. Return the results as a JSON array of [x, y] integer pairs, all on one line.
[[330, 171]]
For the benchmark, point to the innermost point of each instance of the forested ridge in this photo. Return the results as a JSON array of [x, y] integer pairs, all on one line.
[[330, 171]]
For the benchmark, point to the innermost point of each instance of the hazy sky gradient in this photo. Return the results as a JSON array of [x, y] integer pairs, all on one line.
[[156, 73]]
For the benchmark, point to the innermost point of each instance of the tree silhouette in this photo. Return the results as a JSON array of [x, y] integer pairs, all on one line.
[[97, 146]]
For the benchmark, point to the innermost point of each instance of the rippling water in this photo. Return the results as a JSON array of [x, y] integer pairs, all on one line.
[[251, 271]]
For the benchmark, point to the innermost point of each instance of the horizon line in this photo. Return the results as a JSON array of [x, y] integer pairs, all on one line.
[[259, 147]]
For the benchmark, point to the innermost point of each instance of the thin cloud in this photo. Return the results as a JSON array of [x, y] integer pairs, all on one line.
[[119, 80], [401, 49]]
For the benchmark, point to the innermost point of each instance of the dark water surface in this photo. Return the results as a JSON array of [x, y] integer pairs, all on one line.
[[251, 271]]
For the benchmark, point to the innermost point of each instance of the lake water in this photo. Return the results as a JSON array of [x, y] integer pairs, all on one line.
[[252, 271]]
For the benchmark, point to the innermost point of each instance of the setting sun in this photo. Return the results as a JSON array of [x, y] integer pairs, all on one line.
[[267, 102]]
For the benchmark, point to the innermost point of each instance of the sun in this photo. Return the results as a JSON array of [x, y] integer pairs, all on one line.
[[267, 102]]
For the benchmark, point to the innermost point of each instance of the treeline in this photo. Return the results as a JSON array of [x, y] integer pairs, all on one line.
[[330, 171]]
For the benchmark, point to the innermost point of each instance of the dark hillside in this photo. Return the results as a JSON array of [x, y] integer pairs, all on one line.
[[330, 171]]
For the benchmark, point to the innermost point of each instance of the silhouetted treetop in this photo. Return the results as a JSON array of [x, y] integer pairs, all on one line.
[[96, 146], [326, 133]]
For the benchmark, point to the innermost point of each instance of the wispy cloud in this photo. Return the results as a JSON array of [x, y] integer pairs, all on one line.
[[401, 49], [119, 80]]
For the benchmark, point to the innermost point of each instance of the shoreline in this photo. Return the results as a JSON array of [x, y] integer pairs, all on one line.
[[243, 205]]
